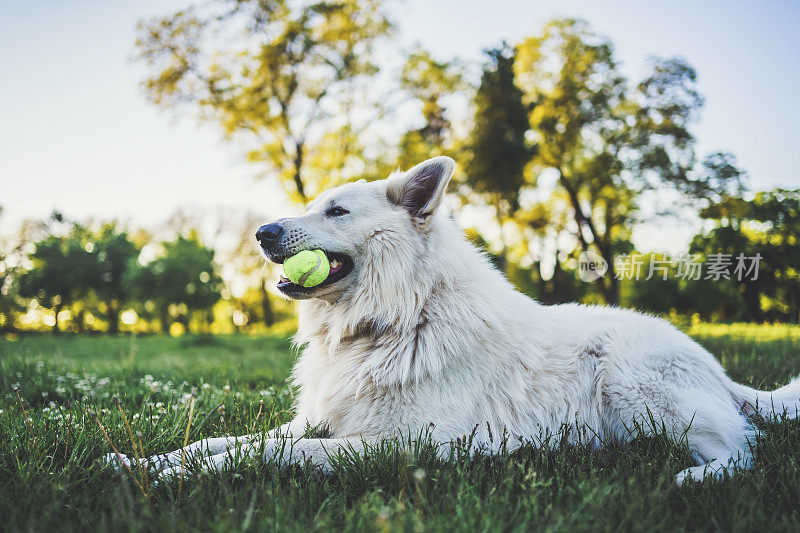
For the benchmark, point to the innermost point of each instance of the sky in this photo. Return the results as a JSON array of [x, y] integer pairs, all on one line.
[[77, 135]]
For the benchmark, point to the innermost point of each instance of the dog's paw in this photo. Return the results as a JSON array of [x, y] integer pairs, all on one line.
[[116, 460], [698, 474], [169, 475], [684, 476]]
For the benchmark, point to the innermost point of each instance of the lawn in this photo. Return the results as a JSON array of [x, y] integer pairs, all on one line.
[[51, 479]]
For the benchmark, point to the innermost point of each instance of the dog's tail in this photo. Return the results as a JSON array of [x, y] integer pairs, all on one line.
[[780, 402]]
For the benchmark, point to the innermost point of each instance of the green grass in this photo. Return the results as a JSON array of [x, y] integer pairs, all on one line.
[[50, 476]]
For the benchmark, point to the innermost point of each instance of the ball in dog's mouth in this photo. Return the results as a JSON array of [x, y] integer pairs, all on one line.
[[341, 266]]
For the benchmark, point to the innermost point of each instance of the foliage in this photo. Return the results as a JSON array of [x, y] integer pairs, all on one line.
[[96, 274], [608, 142], [52, 478], [61, 273], [498, 152], [497, 149], [281, 73], [767, 225], [116, 258], [179, 283], [12, 251], [429, 82], [759, 234], [254, 302]]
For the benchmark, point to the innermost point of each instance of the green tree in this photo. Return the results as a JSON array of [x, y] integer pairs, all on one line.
[[609, 142], [115, 263], [180, 283], [429, 82], [279, 72], [767, 225], [497, 150], [253, 274], [12, 254], [60, 273]]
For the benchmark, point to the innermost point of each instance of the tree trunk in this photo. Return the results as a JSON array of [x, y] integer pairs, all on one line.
[[298, 165], [184, 320], [554, 288], [752, 301], [613, 282], [610, 289], [79, 321], [113, 317], [164, 318], [8, 325], [502, 261], [56, 329]]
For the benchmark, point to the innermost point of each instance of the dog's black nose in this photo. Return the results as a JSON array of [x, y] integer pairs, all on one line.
[[269, 233]]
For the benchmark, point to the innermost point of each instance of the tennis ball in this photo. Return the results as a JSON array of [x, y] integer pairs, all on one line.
[[307, 268]]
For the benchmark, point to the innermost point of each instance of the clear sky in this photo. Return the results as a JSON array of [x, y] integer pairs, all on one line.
[[76, 133]]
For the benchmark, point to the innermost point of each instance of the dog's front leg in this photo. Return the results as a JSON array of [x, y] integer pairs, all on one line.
[[207, 447], [284, 451]]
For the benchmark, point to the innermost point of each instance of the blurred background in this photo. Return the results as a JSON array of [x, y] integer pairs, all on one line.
[[142, 143]]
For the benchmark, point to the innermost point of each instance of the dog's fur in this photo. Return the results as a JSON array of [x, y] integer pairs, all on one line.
[[424, 334]]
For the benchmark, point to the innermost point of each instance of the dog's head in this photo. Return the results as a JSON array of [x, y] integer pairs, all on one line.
[[367, 229]]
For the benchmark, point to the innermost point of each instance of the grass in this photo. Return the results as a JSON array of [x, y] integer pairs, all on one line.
[[51, 479]]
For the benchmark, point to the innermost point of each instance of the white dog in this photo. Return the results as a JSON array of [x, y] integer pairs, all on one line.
[[414, 330]]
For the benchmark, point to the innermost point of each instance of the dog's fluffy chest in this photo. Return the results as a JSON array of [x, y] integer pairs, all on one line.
[[338, 391]]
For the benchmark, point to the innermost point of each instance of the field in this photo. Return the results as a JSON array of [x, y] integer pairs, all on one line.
[[51, 479]]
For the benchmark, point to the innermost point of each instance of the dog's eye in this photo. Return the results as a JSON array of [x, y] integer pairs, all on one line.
[[336, 211]]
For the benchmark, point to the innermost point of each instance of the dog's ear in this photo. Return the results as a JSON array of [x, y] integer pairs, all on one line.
[[419, 190]]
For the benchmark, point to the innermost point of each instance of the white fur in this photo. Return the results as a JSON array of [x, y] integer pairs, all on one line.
[[425, 334]]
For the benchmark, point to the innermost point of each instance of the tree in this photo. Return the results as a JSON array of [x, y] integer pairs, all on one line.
[[12, 255], [179, 283], [429, 82], [60, 273], [252, 273], [286, 82], [498, 151], [767, 225], [115, 261], [608, 142]]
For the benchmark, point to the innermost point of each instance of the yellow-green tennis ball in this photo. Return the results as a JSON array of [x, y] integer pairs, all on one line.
[[307, 268]]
